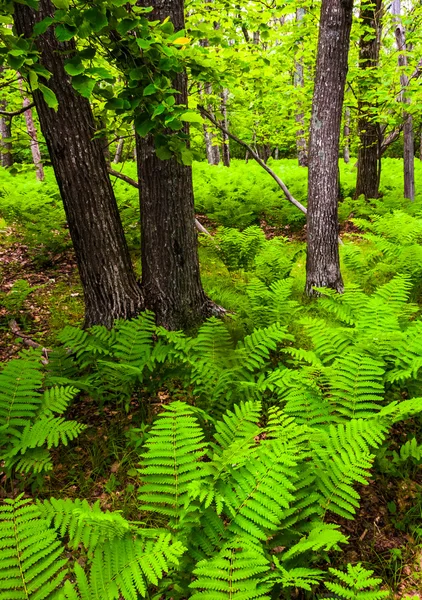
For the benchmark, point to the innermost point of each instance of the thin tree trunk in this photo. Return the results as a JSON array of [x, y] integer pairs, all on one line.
[[6, 156], [110, 287], [408, 136], [119, 151], [346, 134], [368, 176], [32, 132], [225, 123], [299, 81], [171, 280], [323, 264], [276, 154], [212, 150]]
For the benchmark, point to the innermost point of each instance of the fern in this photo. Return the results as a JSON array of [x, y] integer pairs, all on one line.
[[82, 523], [235, 573], [125, 568], [31, 567], [356, 583], [171, 463]]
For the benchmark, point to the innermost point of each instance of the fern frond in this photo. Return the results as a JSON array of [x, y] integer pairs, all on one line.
[[323, 536], [46, 430], [125, 567], [171, 462], [356, 385], [328, 342], [236, 573], [57, 399], [134, 340], [82, 523], [30, 553], [356, 583]]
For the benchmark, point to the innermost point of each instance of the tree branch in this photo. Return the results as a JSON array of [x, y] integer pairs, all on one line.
[[15, 113], [135, 184], [255, 156]]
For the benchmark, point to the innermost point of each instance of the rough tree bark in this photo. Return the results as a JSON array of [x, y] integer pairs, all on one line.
[[6, 156], [323, 265], [408, 136], [368, 177], [32, 132], [171, 280], [299, 81], [110, 287]]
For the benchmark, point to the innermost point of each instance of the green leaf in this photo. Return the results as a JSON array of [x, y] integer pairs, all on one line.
[[97, 18], [191, 117], [64, 33], [15, 62], [74, 66], [142, 128], [144, 44], [101, 72], [63, 4], [88, 53], [115, 104], [158, 111], [49, 96], [163, 152], [126, 25], [149, 90], [33, 80], [84, 85], [186, 156], [41, 71]]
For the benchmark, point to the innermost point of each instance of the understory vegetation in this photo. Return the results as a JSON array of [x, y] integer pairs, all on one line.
[[273, 454]]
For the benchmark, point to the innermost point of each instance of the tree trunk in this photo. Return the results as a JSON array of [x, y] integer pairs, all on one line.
[[6, 156], [213, 151], [299, 81], [346, 134], [171, 280], [408, 136], [368, 177], [323, 264], [225, 123], [32, 132], [119, 151], [110, 287]]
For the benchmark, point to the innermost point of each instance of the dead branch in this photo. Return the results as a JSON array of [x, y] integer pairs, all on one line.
[[15, 113], [26, 339]]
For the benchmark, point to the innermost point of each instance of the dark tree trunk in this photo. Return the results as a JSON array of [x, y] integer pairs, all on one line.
[[368, 177], [299, 80], [110, 287], [171, 280], [408, 135], [323, 265]]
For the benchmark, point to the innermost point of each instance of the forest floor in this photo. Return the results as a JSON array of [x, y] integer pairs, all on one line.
[[101, 466]]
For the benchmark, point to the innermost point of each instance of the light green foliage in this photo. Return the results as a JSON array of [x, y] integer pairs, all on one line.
[[122, 561], [31, 563], [356, 583], [31, 421]]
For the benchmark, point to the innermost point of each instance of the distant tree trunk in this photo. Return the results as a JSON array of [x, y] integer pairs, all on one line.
[[225, 123], [368, 177], [408, 137], [110, 287], [346, 134], [212, 150], [32, 132], [119, 151], [299, 81], [276, 154], [6, 156], [5, 133], [171, 280], [323, 265]]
